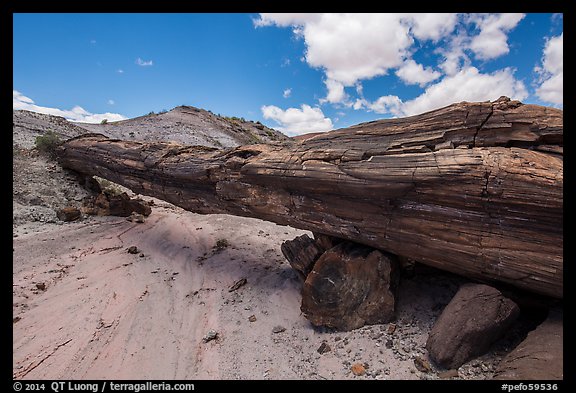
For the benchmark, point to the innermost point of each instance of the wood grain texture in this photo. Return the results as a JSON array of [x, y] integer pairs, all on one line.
[[472, 188]]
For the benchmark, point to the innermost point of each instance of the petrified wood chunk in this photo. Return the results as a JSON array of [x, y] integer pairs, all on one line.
[[350, 286], [120, 205], [69, 213], [476, 317], [301, 253], [490, 208]]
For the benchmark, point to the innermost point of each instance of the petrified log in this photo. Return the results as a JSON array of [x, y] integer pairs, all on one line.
[[487, 205]]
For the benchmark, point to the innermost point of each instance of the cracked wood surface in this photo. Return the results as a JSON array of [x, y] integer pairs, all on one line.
[[472, 188]]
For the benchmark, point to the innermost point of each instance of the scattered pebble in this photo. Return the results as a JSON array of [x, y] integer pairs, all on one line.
[[391, 328], [358, 369], [41, 286], [238, 284], [252, 318], [422, 364], [324, 347], [278, 329], [133, 250], [211, 335]]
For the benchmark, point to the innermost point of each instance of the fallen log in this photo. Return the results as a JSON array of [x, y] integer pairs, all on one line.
[[472, 188]]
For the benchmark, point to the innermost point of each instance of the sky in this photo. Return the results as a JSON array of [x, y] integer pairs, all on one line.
[[297, 73]]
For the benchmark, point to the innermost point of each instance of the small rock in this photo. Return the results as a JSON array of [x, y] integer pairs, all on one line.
[[337, 338], [358, 369], [141, 255], [16, 319], [41, 286], [211, 335], [389, 344], [68, 214], [448, 374], [237, 284], [135, 217], [278, 329], [391, 328], [324, 347], [252, 318], [133, 250], [422, 364]]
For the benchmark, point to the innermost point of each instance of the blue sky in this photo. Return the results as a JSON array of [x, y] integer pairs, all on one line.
[[295, 72]]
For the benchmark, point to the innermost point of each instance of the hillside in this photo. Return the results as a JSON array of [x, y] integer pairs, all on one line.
[[189, 125], [27, 125]]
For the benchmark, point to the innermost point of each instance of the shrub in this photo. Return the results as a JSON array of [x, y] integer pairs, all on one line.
[[221, 244], [105, 121], [48, 143]]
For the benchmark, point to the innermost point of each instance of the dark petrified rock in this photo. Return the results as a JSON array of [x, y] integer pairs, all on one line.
[[122, 205], [540, 356], [301, 253], [477, 316], [68, 214], [350, 286], [116, 205], [489, 208]]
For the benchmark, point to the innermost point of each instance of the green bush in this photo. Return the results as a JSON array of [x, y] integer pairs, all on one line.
[[221, 244], [48, 143], [105, 121]]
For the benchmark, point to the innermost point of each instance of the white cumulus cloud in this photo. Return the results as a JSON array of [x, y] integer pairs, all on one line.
[[287, 92], [354, 47], [77, 113], [492, 40], [335, 92], [432, 26], [297, 121], [551, 88], [144, 63], [416, 74], [468, 84]]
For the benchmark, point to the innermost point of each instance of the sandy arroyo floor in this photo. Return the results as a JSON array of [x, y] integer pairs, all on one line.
[[107, 314]]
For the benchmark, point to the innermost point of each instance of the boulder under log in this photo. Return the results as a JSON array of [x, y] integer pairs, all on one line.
[[472, 188]]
